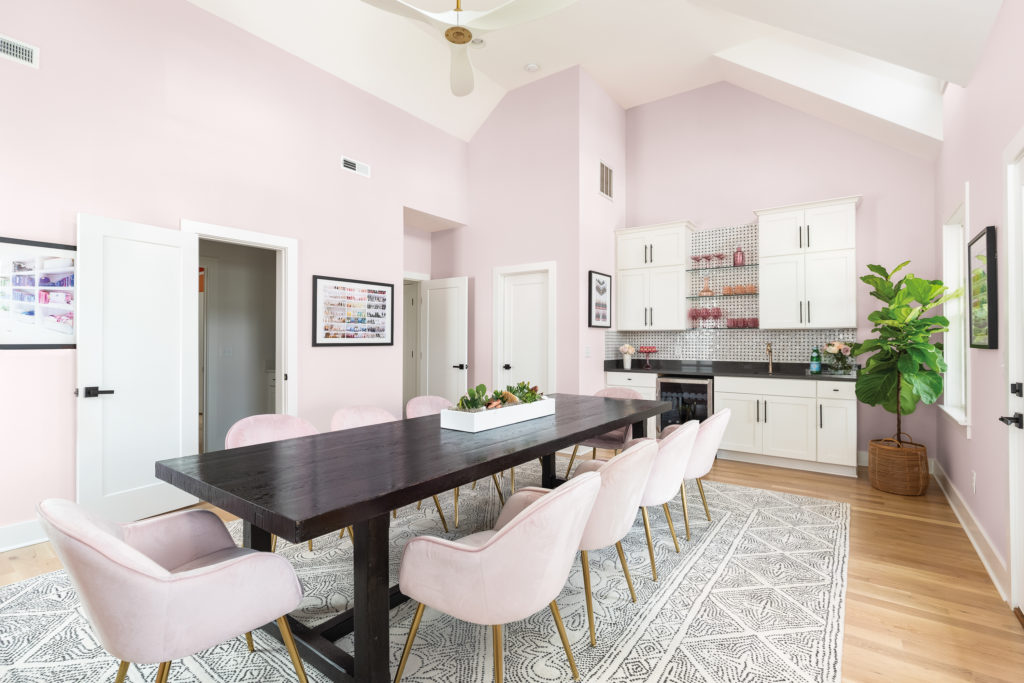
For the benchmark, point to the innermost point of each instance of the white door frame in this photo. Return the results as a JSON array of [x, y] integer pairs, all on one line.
[[1014, 160], [498, 330], [287, 342]]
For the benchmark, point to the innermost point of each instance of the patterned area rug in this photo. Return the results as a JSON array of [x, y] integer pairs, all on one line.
[[756, 595]]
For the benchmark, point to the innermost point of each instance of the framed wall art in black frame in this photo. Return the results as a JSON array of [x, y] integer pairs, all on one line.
[[352, 312], [983, 290], [599, 300], [37, 294]]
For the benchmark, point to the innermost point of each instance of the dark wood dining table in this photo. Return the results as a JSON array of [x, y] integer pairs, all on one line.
[[303, 488]]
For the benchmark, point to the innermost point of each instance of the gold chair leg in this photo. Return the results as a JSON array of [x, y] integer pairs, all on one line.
[[499, 675], [650, 543], [293, 651], [625, 570], [686, 510], [273, 543], [671, 527], [513, 471], [571, 460], [703, 498], [456, 507], [418, 504], [248, 641], [444, 522], [394, 514], [565, 640], [497, 486], [162, 672], [408, 641], [473, 487], [593, 453], [352, 533], [122, 671], [585, 560], [311, 544]]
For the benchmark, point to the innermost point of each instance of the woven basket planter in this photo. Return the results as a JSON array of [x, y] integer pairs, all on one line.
[[900, 468]]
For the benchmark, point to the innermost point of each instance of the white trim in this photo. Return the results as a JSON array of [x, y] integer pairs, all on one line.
[[1013, 157], [497, 329], [854, 199], [958, 415], [415, 277], [789, 463], [21, 534], [862, 459], [990, 557], [287, 249]]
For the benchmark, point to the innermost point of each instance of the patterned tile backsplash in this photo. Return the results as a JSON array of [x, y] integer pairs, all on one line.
[[705, 341]]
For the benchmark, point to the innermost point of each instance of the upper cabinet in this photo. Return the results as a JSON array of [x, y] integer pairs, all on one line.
[[808, 259], [651, 282]]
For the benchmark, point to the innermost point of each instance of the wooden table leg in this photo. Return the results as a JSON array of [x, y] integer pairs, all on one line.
[[255, 537], [548, 478], [370, 583]]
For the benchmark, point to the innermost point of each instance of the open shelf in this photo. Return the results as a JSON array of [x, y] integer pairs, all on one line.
[[730, 267], [721, 296]]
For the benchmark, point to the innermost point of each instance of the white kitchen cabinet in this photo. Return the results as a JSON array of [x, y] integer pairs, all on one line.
[[632, 300], [837, 423], [830, 289], [788, 427], [644, 383], [651, 277], [807, 228], [779, 234], [653, 246], [743, 433], [780, 285]]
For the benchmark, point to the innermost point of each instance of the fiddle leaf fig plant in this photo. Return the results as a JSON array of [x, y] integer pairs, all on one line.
[[906, 367]]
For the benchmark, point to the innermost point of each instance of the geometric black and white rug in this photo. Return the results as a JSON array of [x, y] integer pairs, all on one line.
[[756, 595]]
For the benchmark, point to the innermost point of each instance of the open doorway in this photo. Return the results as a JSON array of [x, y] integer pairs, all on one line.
[[237, 337], [410, 340]]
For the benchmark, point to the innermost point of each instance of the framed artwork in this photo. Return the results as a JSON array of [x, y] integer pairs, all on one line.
[[981, 278], [599, 300], [352, 312], [37, 295]]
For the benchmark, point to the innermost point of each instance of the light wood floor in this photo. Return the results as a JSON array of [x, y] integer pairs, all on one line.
[[920, 606]]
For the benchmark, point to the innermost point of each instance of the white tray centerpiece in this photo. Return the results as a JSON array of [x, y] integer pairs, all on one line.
[[478, 410]]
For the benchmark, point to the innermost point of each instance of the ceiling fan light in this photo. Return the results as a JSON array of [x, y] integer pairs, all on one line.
[[458, 35], [531, 67]]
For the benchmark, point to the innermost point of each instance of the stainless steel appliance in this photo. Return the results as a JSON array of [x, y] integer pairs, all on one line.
[[692, 398]]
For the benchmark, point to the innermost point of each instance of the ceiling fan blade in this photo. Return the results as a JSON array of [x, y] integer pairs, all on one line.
[[515, 12], [406, 10], [462, 71]]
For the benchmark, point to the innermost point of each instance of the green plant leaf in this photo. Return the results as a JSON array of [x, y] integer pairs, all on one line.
[[875, 268], [907, 364]]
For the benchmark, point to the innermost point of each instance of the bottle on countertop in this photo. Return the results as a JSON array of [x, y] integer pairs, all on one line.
[[815, 361], [738, 257]]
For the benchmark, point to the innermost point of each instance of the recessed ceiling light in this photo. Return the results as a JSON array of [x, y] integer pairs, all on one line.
[[478, 43], [531, 67]]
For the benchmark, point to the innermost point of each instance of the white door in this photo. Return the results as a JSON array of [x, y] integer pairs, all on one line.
[[789, 425], [830, 287], [780, 234], [524, 352], [837, 431], [444, 337], [827, 228], [667, 309], [631, 300], [137, 331], [743, 432], [780, 285]]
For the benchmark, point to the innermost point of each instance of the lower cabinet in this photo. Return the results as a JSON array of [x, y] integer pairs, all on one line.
[[644, 383]]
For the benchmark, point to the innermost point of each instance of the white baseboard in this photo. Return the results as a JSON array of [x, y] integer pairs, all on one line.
[[789, 463], [20, 535], [990, 557], [862, 458]]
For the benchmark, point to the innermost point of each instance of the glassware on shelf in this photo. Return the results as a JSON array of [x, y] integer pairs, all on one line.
[[738, 257], [707, 291], [696, 261], [719, 258]]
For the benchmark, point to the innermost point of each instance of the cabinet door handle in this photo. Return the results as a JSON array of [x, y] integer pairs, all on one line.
[[645, 253], [808, 311], [808, 235], [800, 235], [766, 411], [652, 316], [645, 316], [652, 253], [821, 417], [801, 312], [758, 402]]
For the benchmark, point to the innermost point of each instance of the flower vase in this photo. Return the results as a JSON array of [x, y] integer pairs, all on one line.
[[627, 361], [837, 364]]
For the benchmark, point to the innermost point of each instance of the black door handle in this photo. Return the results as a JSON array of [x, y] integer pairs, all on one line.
[[93, 392], [1017, 389], [821, 417], [461, 366], [506, 366], [1017, 420]]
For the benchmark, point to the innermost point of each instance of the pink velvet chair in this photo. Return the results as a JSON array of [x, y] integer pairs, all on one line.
[[505, 574], [171, 586], [257, 429], [674, 450], [419, 406], [614, 440], [364, 416], [705, 449]]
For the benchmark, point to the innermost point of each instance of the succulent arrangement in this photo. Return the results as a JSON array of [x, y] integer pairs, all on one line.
[[477, 398]]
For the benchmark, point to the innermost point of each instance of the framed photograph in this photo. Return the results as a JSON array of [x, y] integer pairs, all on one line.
[[981, 277], [37, 295], [352, 312], [599, 300]]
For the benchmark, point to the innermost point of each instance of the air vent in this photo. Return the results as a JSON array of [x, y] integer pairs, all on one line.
[[355, 166], [19, 52], [606, 181]]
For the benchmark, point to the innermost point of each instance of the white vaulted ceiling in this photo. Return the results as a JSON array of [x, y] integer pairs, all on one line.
[[876, 66]]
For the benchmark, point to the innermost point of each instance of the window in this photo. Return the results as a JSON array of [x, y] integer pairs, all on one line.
[[954, 259]]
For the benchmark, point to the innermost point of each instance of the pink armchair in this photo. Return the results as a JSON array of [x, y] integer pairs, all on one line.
[[169, 587], [505, 574], [256, 429], [674, 450], [705, 449], [614, 440]]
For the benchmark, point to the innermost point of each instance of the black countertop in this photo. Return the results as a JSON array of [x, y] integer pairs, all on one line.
[[723, 368]]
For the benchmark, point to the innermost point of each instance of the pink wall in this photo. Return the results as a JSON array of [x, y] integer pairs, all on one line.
[[416, 251], [980, 122], [602, 124], [716, 154], [524, 208], [158, 111]]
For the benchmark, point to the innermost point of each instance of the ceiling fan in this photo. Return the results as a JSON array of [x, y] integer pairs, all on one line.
[[460, 27]]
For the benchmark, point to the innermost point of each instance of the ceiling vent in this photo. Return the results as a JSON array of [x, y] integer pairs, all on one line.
[[606, 181], [19, 52], [355, 166]]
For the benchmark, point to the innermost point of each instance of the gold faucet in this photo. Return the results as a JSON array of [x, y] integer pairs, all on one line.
[[770, 371]]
